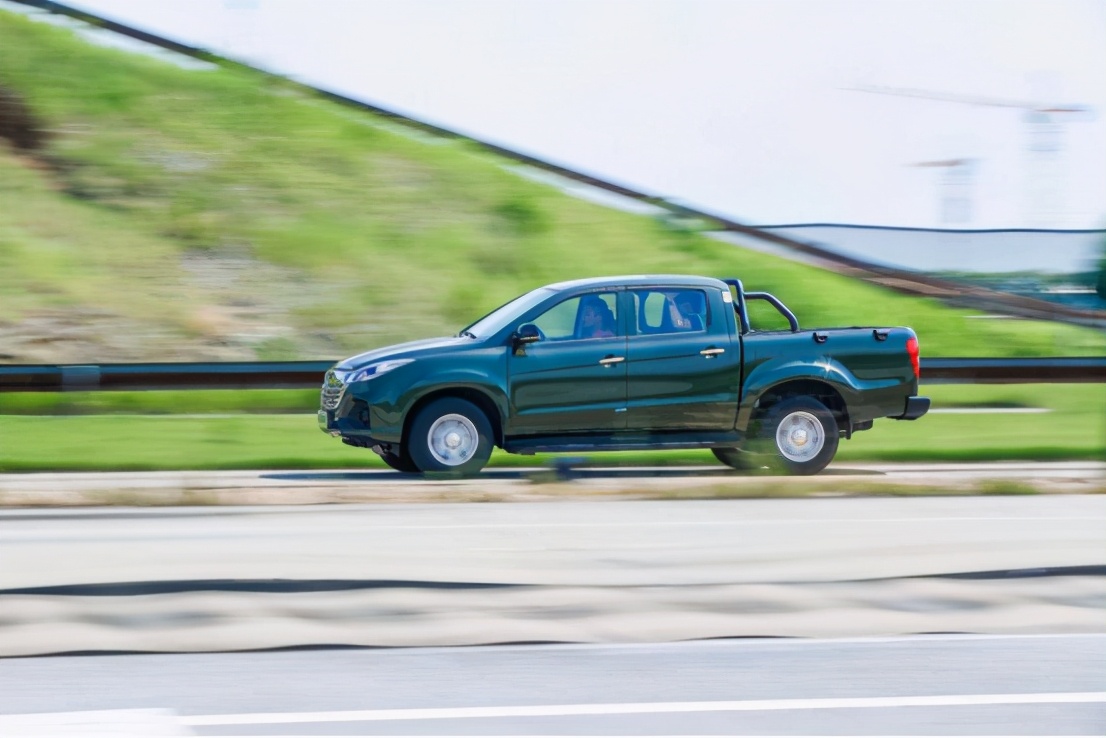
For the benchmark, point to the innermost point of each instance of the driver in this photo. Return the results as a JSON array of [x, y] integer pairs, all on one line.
[[596, 319]]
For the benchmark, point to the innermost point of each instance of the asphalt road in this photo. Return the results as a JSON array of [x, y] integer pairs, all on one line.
[[630, 589], [567, 542], [922, 685]]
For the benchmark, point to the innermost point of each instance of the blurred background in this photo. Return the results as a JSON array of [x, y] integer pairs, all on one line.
[[253, 180], [256, 181]]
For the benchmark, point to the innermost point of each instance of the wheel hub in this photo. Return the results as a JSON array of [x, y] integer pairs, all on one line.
[[452, 439], [800, 437]]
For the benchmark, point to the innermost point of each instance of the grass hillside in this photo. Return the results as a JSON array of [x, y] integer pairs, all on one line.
[[177, 215]]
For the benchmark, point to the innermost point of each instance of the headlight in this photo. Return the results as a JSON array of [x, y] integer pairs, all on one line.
[[375, 370]]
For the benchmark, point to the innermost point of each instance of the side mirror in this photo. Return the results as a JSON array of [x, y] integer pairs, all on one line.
[[528, 333]]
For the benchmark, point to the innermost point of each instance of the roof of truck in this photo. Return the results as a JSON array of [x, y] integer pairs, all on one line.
[[641, 280]]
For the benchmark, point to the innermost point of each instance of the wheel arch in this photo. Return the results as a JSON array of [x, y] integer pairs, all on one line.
[[819, 389], [481, 399]]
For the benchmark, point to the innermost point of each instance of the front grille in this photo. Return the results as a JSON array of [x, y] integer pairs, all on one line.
[[331, 395]]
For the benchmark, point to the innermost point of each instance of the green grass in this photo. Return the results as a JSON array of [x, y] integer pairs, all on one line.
[[211, 215], [177, 402], [1073, 429]]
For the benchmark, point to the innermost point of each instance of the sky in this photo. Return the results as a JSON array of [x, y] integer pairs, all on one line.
[[746, 108]]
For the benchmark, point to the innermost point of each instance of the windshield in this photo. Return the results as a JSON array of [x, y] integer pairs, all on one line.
[[504, 315]]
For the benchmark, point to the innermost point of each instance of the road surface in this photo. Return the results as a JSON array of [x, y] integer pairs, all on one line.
[[578, 570], [923, 685]]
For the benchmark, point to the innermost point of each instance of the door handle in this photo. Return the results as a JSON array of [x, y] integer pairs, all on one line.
[[610, 360], [710, 353]]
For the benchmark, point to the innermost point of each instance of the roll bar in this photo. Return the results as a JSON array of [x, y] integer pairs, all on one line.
[[742, 313]]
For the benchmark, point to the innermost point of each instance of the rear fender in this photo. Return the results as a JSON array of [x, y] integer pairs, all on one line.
[[829, 380]]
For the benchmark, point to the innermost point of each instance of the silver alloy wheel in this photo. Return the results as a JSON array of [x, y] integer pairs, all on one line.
[[800, 437], [452, 439]]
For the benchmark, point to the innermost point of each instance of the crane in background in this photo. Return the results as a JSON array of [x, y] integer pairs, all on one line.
[[1044, 123]]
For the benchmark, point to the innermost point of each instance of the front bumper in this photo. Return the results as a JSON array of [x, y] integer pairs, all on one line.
[[340, 414], [345, 421], [326, 422], [916, 407]]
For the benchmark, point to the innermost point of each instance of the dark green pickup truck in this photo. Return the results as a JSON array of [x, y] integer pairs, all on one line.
[[619, 363]]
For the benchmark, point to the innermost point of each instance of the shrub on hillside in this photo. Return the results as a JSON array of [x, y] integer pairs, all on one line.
[[18, 124]]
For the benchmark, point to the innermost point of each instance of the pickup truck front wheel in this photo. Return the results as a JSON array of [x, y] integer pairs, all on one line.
[[401, 461], [450, 435]]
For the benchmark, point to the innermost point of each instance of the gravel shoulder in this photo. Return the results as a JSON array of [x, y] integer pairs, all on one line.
[[539, 484], [261, 560]]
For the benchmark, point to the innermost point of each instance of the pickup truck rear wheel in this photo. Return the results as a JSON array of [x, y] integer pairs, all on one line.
[[450, 435], [798, 436], [795, 436]]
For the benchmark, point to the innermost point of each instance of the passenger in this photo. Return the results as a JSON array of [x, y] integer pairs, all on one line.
[[690, 305]]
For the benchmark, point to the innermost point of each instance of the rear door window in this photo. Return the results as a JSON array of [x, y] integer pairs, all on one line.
[[664, 310]]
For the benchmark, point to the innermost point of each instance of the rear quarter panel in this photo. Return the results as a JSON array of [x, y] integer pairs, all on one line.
[[874, 377]]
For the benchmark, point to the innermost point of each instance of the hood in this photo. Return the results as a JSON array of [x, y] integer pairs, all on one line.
[[407, 350]]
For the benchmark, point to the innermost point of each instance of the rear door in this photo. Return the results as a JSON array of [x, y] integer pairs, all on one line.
[[684, 366]]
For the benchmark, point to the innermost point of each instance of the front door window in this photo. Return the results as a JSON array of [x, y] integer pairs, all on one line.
[[578, 318]]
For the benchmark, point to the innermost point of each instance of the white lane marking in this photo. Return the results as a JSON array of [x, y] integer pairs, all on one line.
[[154, 722], [744, 644], [638, 708], [715, 523]]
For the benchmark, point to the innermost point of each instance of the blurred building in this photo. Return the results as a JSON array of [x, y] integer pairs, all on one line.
[[934, 250]]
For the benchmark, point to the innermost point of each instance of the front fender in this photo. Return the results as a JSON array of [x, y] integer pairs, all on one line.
[[391, 402]]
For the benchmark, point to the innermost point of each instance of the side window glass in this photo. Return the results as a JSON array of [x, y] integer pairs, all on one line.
[[585, 317], [671, 311]]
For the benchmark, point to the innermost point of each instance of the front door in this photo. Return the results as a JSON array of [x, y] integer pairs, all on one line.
[[574, 378], [684, 367]]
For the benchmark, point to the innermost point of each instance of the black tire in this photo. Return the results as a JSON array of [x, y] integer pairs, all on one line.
[[401, 461], [738, 458], [797, 436], [450, 435]]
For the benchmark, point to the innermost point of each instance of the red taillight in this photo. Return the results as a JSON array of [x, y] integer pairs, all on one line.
[[912, 350]]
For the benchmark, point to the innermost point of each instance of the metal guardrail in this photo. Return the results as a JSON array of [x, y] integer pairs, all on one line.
[[1088, 369], [168, 376], [309, 374]]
